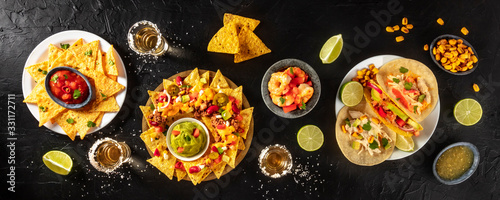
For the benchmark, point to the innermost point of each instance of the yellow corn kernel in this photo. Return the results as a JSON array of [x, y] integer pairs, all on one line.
[[370, 139], [400, 38], [448, 67], [453, 70], [464, 69], [452, 42], [460, 50], [360, 129], [355, 79], [371, 66], [355, 135], [470, 67], [404, 21], [448, 55], [454, 53], [444, 59], [368, 73], [426, 47], [470, 50], [389, 29], [367, 78], [440, 21], [460, 41], [404, 30], [474, 58], [362, 117], [375, 70], [396, 28], [375, 120], [438, 56], [434, 51], [469, 63], [360, 73], [409, 26], [464, 31], [343, 129]]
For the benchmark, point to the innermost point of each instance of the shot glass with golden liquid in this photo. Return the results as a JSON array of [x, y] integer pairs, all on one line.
[[145, 38], [106, 154], [275, 161]]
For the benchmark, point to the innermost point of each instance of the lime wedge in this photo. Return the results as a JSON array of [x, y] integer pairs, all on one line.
[[331, 49], [351, 93], [58, 161], [404, 143], [468, 112], [310, 138]]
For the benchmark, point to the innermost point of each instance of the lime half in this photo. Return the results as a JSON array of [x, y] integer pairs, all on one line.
[[310, 138], [468, 112], [331, 49], [351, 93], [58, 161], [404, 143]]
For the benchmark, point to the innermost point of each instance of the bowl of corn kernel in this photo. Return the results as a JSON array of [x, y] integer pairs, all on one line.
[[454, 54]]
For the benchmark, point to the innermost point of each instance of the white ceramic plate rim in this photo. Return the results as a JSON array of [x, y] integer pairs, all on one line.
[[429, 123], [40, 53]]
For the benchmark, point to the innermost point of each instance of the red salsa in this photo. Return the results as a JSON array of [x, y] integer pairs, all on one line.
[[69, 87]]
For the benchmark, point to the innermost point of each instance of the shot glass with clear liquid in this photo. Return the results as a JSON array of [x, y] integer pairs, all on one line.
[[106, 154], [145, 38], [275, 161]]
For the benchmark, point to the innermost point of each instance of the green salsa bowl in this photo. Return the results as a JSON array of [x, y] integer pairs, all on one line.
[[193, 147]]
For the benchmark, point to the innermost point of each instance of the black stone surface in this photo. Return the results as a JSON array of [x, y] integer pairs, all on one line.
[[291, 29]]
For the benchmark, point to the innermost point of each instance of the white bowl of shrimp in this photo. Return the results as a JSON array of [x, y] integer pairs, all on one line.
[[290, 88]]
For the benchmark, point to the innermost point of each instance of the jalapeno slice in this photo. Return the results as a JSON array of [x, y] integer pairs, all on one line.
[[220, 99], [173, 90]]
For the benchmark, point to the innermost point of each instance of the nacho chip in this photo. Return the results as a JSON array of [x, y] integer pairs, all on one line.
[[167, 83], [68, 58], [54, 53], [104, 85], [208, 124], [232, 155], [152, 139], [225, 40], [99, 63], [238, 95], [153, 95], [165, 163], [219, 81], [146, 111], [180, 174], [87, 54], [36, 71], [206, 77], [78, 43], [218, 169], [247, 118], [240, 21], [193, 78], [250, 46], [241, 144], [99, 119], [47, 108], [104, 104], [35, 93], [198, 176], [110, 62], [80, 119]]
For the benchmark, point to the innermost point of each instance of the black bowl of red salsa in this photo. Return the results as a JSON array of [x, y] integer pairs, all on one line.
[[68, 87]]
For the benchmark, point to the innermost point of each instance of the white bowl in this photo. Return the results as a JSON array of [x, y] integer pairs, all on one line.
[[169, 133]]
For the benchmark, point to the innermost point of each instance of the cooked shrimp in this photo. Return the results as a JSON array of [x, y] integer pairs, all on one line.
[[282, 100], [278, 83], [305, 92]]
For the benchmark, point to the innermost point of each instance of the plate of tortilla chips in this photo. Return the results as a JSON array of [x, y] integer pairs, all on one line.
[[214, 100], [92, 56]]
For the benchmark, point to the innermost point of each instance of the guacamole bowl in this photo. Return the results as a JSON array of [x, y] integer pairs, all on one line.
[[182, 141]]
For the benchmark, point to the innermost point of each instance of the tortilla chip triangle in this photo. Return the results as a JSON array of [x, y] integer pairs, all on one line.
[[198, 176], [247, 118], [99, 63], [219, 81], [219, 168], [146, 111], [180, 173], [54, 53], [193, 78], [110, 62], [240, 21], [37, 90], [165, 163], [87, 53], [225, 40], [47, 108], [250, 46], [80, 120], [36, 70]]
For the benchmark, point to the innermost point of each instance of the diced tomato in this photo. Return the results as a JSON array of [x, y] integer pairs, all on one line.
[[66, 97], [231, 99], [212, 109], [159, 129], [289, 108], [416, 133], [399, 96], [289, 72], [194, 169], [238, 117], [73, 85], [193, 95], [221, 126], [178, 80], [214, 149], [309, 83], [196, 133], [218, 159], [175, 132], [381, 112], [180, 149], [400, 122], [156, 153]]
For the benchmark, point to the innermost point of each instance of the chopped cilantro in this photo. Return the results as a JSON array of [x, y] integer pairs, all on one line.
[[152, 106], [408, 85], [44, 72], [88, 53], [54, 79], [421, 98], [291, 70], [303, 106], [40, 70], [65, 76], [106, 97], [110, 62], [385, 142], [373, 145], [90, 124], [220, 151], [44, 109], [77, 94], [403, 70], [395, 80], [187, 138], [367, 126], [347, 121], [397, 99], [70, 120], [64, 46], [282, 100]]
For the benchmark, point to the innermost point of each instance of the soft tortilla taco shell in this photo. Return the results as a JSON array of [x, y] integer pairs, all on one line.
[[344, 141], [417, 68]]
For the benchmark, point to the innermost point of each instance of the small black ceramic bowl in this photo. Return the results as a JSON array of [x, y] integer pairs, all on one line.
[[60, 102], [468, 173], [438, 63], [280, 66]]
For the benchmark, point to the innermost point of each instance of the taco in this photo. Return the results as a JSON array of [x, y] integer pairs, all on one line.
[[389, 113], [411, 84], [362, 138]]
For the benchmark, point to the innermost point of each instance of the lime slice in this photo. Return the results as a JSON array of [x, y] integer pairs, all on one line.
[[468, 112], [331, 49], [404, 143], [351, 93], [310, 138], [58, 161]]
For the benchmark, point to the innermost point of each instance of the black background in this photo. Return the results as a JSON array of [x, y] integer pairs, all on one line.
[[291, 29]]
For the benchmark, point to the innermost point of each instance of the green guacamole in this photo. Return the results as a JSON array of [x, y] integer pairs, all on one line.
[[185, 139]]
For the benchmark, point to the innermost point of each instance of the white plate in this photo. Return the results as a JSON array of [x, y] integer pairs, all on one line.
[[40, 53], [429, 123]]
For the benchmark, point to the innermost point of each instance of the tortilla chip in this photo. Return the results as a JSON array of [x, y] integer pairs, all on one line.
[[247, 118], [101, 105], [52, 109], [218, 169], [225, 40], [99, 63], [152, 139], [180, 174], [78, 43], [219, 81], [104, 85], [80, 120], [238, 95], [35, 93], [198, 176], [68, 58], [146, 111], [153, 96], [167, 83], [226, 91], [206, 76], [98, 120], [166, 166], [241, 144], [232, 154], [36, 71], [193, 78], [250, 46], [110, 62], [87, 54], [240, 21], [54, 53], [208, 124]]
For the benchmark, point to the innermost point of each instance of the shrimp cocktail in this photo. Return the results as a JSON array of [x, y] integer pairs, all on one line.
[[290, 89]]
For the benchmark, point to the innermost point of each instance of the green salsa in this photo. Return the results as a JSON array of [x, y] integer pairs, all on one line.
[[454, 162], [189, 144]]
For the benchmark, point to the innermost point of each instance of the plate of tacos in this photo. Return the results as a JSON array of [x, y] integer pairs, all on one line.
[[199, 96], [403, 96]]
